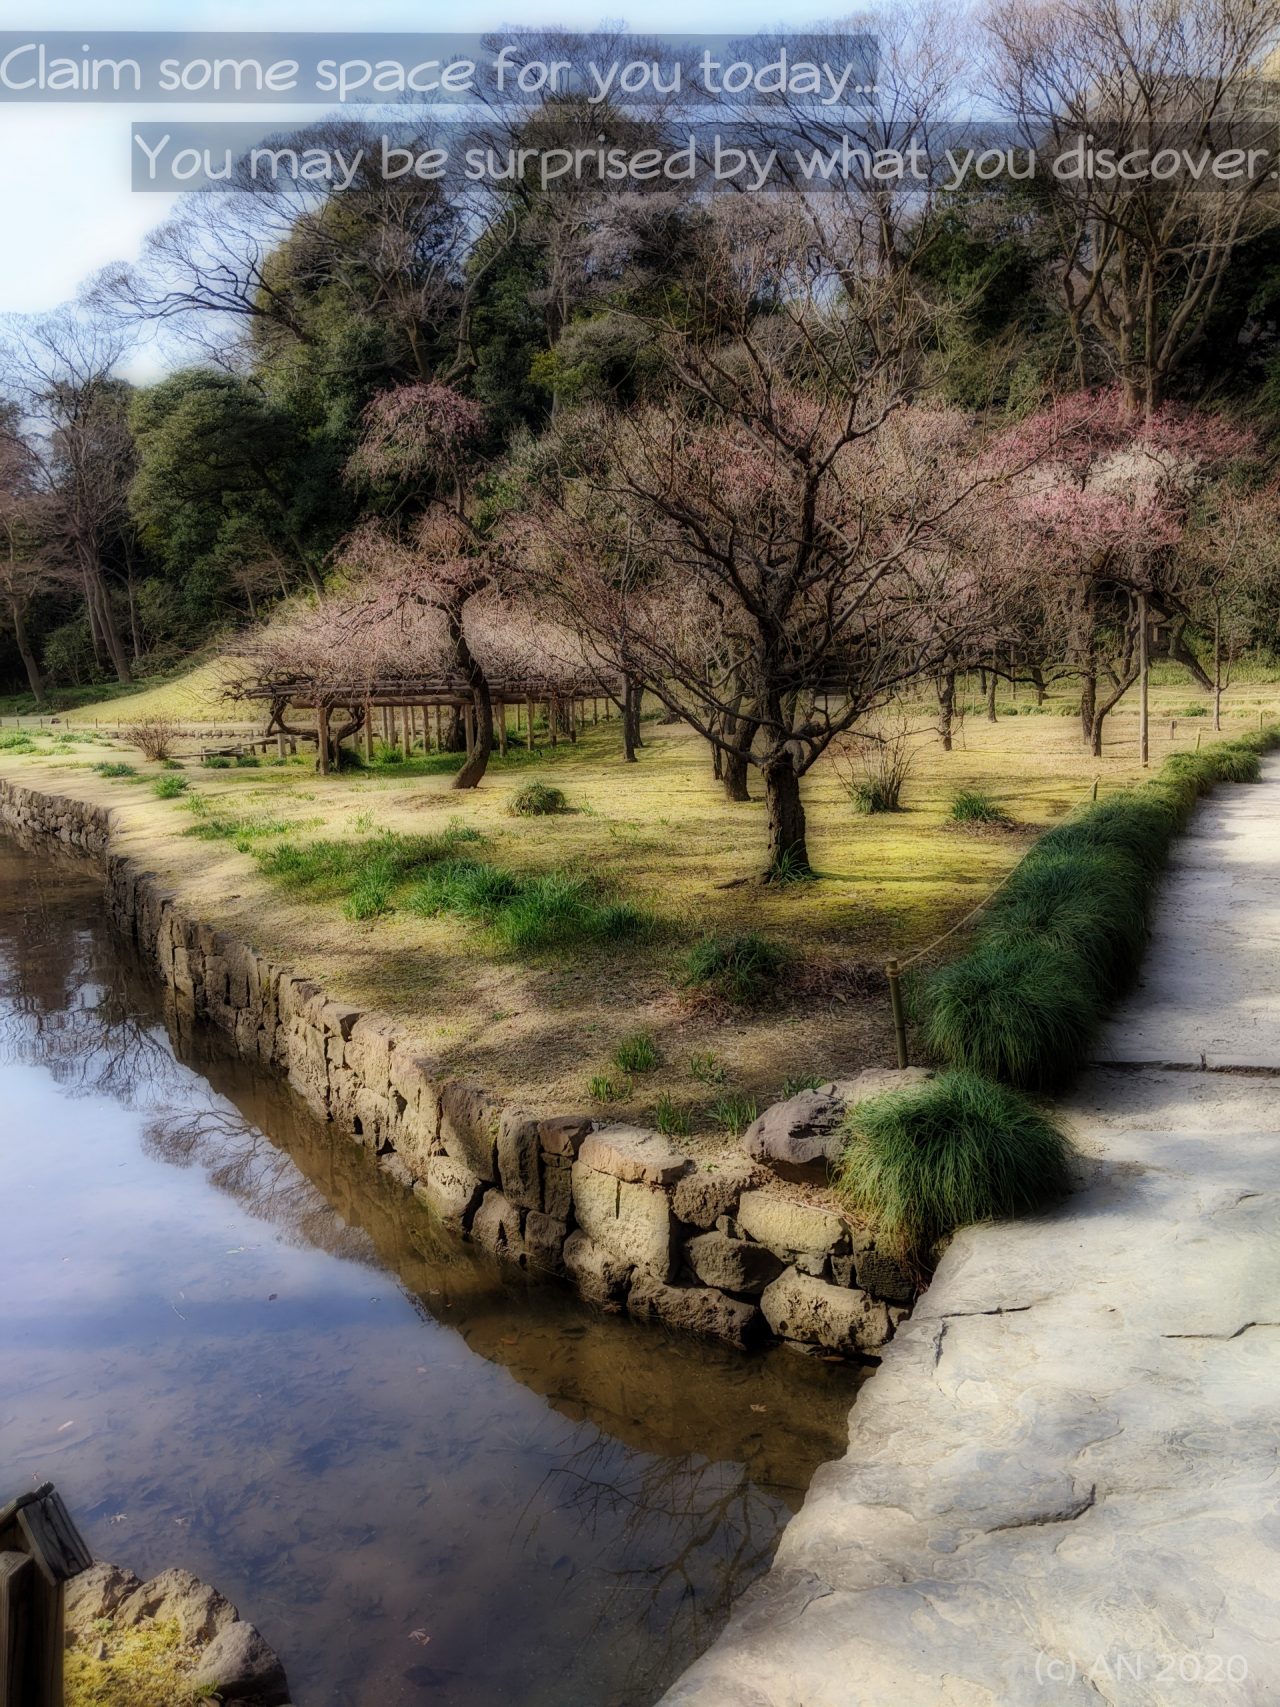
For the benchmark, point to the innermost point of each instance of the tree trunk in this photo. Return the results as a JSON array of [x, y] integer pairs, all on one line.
[[1088, 702], [946, 686], [34, 678], [1037, 679], [477, 761], [1217, 670], [992, 681], [107, 625], [632, 697], [788, 851], [735, 760]]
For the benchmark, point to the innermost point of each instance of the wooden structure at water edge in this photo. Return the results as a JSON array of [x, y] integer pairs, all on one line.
[[433, 714]]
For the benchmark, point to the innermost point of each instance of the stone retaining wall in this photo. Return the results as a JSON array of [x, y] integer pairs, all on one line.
[[616, 1211]]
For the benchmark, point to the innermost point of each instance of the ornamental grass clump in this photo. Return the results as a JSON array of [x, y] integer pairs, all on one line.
[[740, 969], [1065, 936], [921, 1162]]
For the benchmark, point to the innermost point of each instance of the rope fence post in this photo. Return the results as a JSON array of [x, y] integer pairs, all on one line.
[[899, 1017]]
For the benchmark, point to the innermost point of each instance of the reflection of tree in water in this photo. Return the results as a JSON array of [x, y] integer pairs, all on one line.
[[241, 1160], [693, 1534]]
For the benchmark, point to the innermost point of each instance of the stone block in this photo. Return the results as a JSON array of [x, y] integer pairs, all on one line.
[[469, 1118], [634, 1154], [694, 1310], [557, 1187], [629, 1218], [544, 1239], [450, 1190], [732, 1265], [787, 1227], [496, 1228], [841, 1318], [596, 1272], [702, 1197], [877, 1272], [519, 1158], [563, 1134], [240, 1666]]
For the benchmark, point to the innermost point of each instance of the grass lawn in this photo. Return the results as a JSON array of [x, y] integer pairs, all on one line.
[[532, 952]]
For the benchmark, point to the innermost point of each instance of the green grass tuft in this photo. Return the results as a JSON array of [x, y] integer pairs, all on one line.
[[529, 914], [740, 969], [670, 1120], [921, 1162], [170, 786], [537, 800], [638, 1054], [116, 768], [735, 1113], [972, 806]]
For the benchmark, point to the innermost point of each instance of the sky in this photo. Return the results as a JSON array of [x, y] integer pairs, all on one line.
[[67, 206]]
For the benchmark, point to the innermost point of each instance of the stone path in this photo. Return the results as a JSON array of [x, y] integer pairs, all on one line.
[[1062, 1485]]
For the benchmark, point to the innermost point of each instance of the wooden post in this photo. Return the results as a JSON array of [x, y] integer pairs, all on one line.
[[439, 730], [40, 1550], [1095, 787], [1144, 670], [322, 738], [280, 743], [595, 709], [368, 733], [529, 708], [899, 1017], [407, 727], [553, 717], [501, 709]]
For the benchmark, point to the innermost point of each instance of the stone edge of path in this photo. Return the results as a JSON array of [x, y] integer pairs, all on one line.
[[1060, 1485]]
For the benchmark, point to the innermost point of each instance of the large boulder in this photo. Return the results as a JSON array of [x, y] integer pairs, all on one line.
[[240, 1666], [801, 1138], [97, 1593], [839, 1318], [733, 1265], [176, 1596]]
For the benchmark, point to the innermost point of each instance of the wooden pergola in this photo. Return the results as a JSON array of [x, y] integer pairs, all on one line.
[[404, 710]]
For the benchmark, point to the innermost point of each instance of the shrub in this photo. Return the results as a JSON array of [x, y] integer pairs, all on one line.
[[735, 1113], [878, 763], [537, 800], [638, 1054], [1193, 711], [16, 741], [919, 1163], [169, 787], [972, 806], [740, 969], [216, 762], [1023, 1011], [247, 761], [153, 736], [115, 768]]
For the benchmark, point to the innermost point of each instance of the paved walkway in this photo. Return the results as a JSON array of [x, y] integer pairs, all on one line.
[[1062, 1485]]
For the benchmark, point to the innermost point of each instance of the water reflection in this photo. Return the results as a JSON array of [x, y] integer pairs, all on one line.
[[238, 1346]]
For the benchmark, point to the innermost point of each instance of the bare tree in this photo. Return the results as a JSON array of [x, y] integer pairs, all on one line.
[[62, 368], [1140, 259]]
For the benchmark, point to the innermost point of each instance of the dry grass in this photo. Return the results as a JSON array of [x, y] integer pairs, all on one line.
[[145, 1667], [659, 834]]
